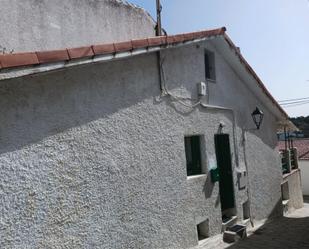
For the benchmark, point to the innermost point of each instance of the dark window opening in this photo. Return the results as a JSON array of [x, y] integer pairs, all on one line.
[[246, 210], [193, 155], [203, 230], [285, 192], [210, 71]]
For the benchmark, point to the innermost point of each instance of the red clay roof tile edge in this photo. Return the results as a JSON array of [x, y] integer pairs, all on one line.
[[123, 46], [139, 43], [34, 58], [18, 60], [80, 52], [40, 57], [255, 76], [52, 56], [157, 41], [102, 49]]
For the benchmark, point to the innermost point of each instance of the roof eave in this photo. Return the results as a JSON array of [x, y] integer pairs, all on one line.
[[16, 72], [255, 76], [19, 65]]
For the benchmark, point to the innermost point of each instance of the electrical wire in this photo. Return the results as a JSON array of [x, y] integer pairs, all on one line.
[[297, 104], [292, 100], [180, 99]]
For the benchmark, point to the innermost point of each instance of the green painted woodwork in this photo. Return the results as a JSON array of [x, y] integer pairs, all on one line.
[[193, 155], [215, 176], [224, 163]]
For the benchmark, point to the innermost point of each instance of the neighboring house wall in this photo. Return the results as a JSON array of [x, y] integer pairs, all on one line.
[[32, 25], [92, 156], [294, 193], [304, 167]]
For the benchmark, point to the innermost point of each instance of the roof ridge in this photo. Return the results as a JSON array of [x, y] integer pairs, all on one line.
[[23, 59], [9, 61], [253, 73]]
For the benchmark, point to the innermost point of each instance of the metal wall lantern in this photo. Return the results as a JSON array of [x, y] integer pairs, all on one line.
[[257, 116]]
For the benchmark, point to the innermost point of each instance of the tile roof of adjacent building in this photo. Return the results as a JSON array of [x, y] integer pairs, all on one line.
[[302, 146], [8, 61]]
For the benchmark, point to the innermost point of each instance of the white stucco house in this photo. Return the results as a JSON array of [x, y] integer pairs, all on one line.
[[142, 142]]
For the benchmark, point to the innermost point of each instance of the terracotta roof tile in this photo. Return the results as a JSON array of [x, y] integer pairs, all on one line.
[[302, 146], [32, 58], [157, 41], [123, 46], [52, 56], [200, 34], [104, 49], [189, 36], [82, 52], [170, 39], [179, 38], [254, 75], [18, 60], [141, 43]]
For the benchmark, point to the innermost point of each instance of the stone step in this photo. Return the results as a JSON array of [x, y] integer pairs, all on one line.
[[235, 233], [285, 206], [229, 222]]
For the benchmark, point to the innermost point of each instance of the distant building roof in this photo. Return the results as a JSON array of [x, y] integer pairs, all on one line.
[[302, 146]]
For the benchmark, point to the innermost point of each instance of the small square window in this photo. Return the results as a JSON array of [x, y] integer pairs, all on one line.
[[210, 71], [203, 230], [193, 155]]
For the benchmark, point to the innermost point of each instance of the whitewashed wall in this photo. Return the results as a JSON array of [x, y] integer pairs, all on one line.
[[304, 167], [32, 25], [92, 157]]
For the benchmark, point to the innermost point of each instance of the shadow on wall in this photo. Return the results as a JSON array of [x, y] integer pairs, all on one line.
[[208, 187], [36, 107]]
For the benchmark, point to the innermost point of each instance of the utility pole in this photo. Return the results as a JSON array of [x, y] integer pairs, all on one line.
[[159, 24]]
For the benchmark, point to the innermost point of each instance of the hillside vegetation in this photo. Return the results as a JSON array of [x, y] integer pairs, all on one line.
[[303, 124]]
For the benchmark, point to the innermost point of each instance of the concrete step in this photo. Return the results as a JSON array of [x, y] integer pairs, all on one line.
[[247, 223], [229, 222], [230, 237], [285, 205], [235, 233]]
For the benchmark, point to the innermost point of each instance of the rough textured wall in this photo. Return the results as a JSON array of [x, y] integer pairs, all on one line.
[[91, 157], [256, 148], [32, 25], [295, 192], [304, 169]]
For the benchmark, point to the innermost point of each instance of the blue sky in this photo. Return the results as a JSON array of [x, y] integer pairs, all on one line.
[[273, 36]]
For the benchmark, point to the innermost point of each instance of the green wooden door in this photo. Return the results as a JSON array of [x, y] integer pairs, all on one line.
[[224, 163]]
